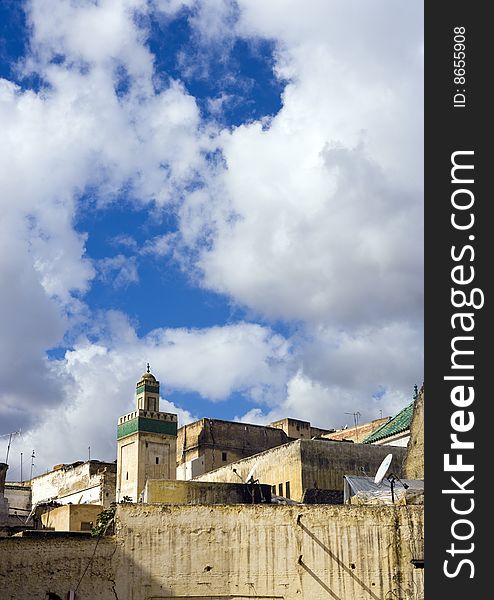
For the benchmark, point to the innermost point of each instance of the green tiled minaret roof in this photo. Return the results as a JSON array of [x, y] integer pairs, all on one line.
[[142, 424], [147, 418], [400, 422]]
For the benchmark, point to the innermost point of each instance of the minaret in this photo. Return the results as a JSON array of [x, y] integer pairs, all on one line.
[[146, 441]]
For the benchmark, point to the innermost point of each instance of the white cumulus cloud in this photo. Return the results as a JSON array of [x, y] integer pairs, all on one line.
[[312, 218], [96, 381]]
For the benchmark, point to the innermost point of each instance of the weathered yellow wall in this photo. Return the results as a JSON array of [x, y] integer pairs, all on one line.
[[349, 553], [70, 516], [414, 461], [273, 467], [310, 464], [137, 462], [29, 568], [58, 518], [324, 463], [243, 551], [127, 467], [202, 492], [157, 445]]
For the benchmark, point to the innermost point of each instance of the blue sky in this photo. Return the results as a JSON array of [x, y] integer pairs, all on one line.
[[224, 189]]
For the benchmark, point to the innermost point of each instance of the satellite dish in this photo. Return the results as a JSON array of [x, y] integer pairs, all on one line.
[[384, 466], [251, 472]]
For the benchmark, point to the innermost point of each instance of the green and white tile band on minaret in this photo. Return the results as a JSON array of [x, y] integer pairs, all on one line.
[[146, 441]]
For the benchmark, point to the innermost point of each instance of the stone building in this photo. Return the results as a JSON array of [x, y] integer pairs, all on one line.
[[146, 441], [208, 444], [90, 482], [297, 430], [207, 541], [294, 468]]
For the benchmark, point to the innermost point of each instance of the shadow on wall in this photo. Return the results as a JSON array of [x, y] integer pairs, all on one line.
[[411, 592], [318, 579], [171, 552], [333, 556]]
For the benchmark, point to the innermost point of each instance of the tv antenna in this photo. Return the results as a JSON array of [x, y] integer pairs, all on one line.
[[11, 434], [32, 465], [381, 473], [356, 416]]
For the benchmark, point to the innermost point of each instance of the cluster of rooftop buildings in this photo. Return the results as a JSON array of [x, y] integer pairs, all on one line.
[[220, 509], [293, 460]]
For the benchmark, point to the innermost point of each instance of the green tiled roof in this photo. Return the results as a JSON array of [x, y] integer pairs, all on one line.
[[401, 422]]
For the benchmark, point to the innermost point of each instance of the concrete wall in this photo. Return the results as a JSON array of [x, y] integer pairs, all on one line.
[[57, 518], [90, 482], [72, 517], [218, 443], [31, 567], [325, 462], [19, 498], [191, 468], [203, 492], [414, 461], [307, 464], [18, 495], [225, 552], [274, 467]]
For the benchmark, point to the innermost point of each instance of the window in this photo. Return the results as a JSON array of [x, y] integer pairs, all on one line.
[[223, 456], [273, 490], [287, 489], [127, 475], [157, 460], [86, 525], [280, 489]]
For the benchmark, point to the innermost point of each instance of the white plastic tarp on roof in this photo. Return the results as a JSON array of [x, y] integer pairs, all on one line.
[[368, 492]]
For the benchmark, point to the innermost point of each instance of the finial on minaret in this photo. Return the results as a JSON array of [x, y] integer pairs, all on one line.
[[148, 368]]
